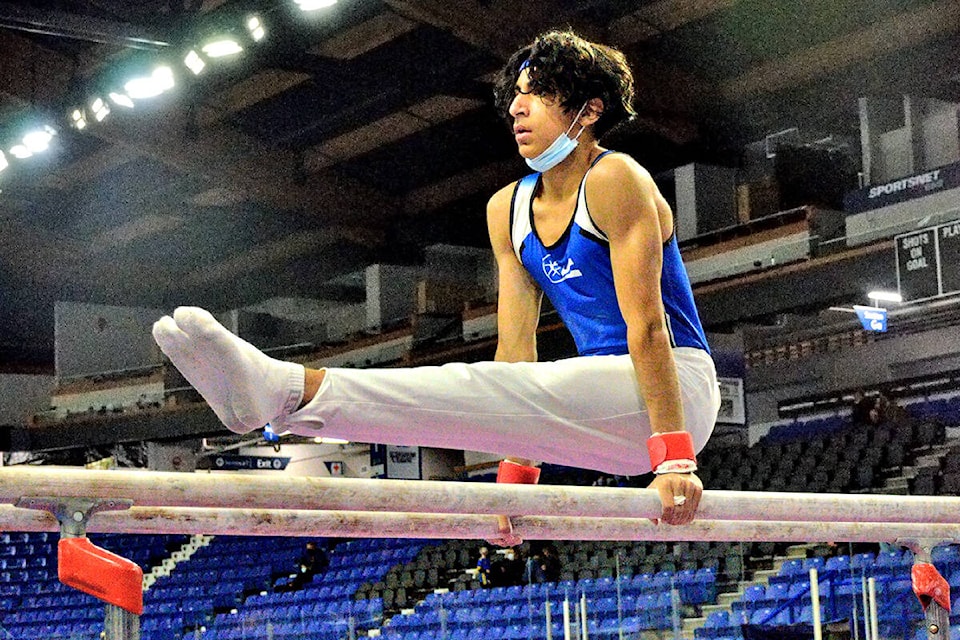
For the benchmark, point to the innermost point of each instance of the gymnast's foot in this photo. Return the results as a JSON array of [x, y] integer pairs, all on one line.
[[244, 387]]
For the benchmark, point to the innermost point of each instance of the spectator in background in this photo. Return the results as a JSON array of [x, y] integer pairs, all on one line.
[[883, 406], [483, 567], [507, 571], [313, 560], [893, 413], [549, 565], [310, 562], [862, 407]]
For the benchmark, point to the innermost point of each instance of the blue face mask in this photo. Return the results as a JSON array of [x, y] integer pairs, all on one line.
[[557, 152]]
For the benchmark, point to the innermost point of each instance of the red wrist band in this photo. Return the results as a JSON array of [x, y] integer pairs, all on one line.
[[513, 473], [672, 445]]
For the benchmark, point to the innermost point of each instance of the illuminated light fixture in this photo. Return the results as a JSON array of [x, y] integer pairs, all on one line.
[[121, 100], [150, 86], [885, 296], [313, 5], [222, 48], [3, 161], [330, 441], [194, 62], [20, 151], [39, 140], [78, 120], [255, 26], [100, 109]]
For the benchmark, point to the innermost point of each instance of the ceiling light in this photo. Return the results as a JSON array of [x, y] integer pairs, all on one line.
[[330, 441], [78, 119], [100, 109], [222, 48], [121, 100], [150, 86], [885, 296], [3, 161], [37, 141], [143, 87], [256, 28], [194, 62], [20, 151], [313, 5]]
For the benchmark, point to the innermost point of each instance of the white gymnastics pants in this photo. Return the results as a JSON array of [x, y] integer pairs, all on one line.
[[584, 412]]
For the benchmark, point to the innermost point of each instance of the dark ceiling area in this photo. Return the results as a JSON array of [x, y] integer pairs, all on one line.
[[365, 131]]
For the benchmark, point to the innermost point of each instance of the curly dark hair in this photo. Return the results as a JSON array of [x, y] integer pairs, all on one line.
[[566, 67]]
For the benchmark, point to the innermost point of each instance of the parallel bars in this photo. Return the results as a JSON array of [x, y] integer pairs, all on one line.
[[225, 503]]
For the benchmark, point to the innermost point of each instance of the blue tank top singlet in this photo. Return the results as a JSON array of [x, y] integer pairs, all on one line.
[[575, 273]]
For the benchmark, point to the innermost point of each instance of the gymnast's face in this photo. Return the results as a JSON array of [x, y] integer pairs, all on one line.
[[537, 120]]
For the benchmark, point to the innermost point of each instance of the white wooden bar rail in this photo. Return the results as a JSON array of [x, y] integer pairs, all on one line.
[[265, 522], [237, 490]]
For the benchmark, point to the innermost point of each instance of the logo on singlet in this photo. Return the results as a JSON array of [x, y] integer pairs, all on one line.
[[557, 273]]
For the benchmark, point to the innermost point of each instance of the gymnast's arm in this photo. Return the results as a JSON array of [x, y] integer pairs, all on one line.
[[626, 204], [519, 298], [518, 312], [518, 301]]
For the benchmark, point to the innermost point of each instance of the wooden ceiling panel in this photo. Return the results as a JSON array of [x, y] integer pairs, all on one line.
[[895, 33], [366, 36]]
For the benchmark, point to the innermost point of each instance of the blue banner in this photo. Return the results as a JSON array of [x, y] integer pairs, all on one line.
[[872, 318]]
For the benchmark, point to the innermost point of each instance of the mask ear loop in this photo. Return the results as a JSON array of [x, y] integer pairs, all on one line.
[[575, 120]]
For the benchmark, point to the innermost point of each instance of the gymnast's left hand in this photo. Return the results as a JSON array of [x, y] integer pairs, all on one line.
[[505, 536], [680, 496]]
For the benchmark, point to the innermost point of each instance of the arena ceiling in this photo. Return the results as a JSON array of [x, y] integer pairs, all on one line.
[[363, 132]]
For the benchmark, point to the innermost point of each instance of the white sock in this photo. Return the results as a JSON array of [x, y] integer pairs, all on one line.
[[244, 387]]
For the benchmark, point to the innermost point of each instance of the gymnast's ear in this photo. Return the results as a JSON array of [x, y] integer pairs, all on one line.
[[592, 112]]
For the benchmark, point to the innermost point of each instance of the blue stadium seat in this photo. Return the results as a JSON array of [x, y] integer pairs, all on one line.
[[513, 612], [754, 593], [798, 588], [863, 561], [761, 615], [792, 567], [604, 605], [813, 563], [777, 592], [686, 576], [494, 632], [475, 633], [888, 559], [837, 564], [663, 580]]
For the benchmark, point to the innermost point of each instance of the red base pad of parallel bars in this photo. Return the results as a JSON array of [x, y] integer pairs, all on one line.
[[104, 575]]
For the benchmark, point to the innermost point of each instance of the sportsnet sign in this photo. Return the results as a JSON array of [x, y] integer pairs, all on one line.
[[902, 189]]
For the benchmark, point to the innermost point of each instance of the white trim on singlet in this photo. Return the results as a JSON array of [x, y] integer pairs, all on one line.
[[522, 202], [520, 215], [581, 217]]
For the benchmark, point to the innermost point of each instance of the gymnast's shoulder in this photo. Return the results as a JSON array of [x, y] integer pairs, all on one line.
[[618, 170], [498, 207]]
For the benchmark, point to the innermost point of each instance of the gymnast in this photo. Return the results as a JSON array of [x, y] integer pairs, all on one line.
[[589, 229]]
